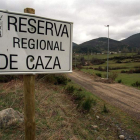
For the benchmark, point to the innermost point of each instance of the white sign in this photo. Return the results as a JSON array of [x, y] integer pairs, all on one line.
[[30, 44]]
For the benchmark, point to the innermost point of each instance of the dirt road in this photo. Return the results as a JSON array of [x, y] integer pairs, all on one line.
[[121, 96]]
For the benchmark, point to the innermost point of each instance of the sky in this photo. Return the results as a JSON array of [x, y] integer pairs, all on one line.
[[89, 17]]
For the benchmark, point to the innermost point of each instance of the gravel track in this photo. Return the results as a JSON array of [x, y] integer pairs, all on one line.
[[124, 97]]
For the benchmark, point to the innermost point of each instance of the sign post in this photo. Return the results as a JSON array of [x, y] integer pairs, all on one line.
[[29, 106], [29, 100]]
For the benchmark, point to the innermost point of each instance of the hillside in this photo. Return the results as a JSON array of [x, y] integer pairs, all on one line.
[[74, 44], [133, 41], [99, 45]]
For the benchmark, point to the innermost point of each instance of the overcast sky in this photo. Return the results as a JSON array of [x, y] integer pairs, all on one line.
[[88, 16]]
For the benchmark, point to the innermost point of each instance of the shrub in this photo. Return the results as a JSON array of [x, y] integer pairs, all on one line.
[[91, 68], [80, 89], [100, 68], [60, 79], [96, 61], [105, 110], [136, 84], [99, 74], [131, 71], [56, 79], [78, 96], [119, 81], [7, 78], [113, 75], [136, 70], [84, 102], [79, 67], [82, 61], [123, 71], [70, 89], [87, 104], [118, 61]]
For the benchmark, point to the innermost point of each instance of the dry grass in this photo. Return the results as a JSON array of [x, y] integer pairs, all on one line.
[[56, 115]]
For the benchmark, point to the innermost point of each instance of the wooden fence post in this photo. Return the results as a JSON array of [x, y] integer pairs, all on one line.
[[29, 100]]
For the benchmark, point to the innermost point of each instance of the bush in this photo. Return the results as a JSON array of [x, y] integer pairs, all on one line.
[[87, 104], [96, 61], [83, 101], [78, 96], [105, 110], [79, 67], [131, 71], [82, 61], [113, 75], [7, 78], [123, 71], [99, 74], [91, 68], [100, 68], [70, 89], [118, 61], [136, 84], [56, 79], [60, 79], [119, 81]]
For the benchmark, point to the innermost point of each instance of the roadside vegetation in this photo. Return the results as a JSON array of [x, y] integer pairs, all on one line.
[[65, 111], [123, 67]]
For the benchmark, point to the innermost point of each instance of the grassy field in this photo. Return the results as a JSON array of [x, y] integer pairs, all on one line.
[[58, 116], [103, 56], [129, 62]]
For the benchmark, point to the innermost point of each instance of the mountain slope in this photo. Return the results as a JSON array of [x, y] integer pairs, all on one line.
[[133, 41], [99, 45], [74, 44]]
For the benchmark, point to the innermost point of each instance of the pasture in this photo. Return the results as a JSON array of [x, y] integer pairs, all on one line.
[[125, 66]]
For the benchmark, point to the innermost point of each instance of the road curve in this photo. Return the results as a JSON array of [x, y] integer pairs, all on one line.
[[121, 96]]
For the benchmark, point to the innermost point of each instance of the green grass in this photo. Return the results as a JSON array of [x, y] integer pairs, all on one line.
[[128, 79], [103, 56]]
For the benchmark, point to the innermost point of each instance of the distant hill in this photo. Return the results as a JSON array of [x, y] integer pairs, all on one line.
[[99, 45], [74, 44], [133, 41]]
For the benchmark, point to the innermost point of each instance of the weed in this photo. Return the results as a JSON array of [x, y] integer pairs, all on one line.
[[79, 67], [99, 74], [80, 89], [82, 60], [100, 68], [56, 79], [70, 89], [7, 78], [60, 79], [113, 75], [78, 96], [87, 104], [119, 81], [137, 70], [105, 110], [96, 61], [136, 84]]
